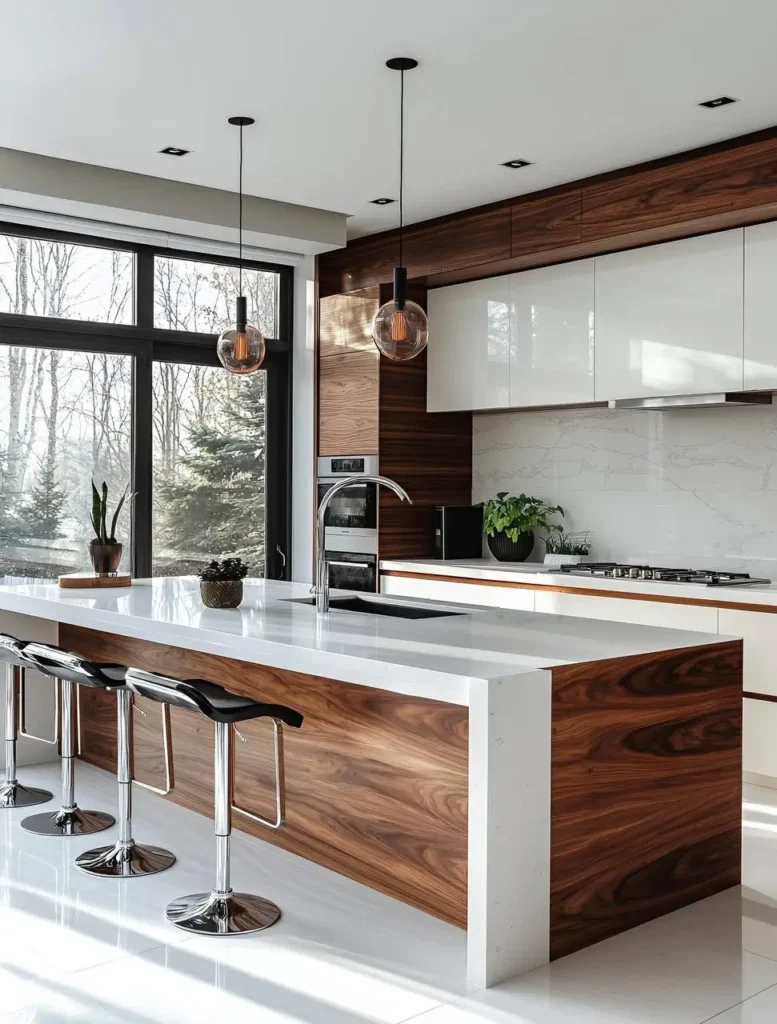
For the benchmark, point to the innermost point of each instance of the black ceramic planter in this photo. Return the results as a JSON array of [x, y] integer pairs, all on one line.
[[505, 550], [221, 593]]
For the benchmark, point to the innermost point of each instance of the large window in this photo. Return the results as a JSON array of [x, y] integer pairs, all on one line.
[[108, 371]]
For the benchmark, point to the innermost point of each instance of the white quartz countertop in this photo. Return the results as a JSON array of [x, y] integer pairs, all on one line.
[[439, 658], [535, 574]]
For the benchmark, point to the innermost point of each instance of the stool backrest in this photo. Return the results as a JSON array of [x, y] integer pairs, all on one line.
[[53, 661], [12, 651]]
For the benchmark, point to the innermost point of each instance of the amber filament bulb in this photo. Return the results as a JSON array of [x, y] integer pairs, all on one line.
[[241, 346], [399, 326]]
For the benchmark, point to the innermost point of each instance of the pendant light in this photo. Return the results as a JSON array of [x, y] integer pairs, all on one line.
[[240, 347], [400, 328]]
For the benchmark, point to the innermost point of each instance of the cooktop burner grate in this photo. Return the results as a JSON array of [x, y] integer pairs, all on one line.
[[659, 574]]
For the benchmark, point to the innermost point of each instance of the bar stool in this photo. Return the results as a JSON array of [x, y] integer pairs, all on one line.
[[69, 820], [12, 792], [222, 911]]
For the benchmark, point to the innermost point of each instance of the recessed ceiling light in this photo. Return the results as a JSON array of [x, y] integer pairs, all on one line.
[[174, 151], [382, 201], [517, 163], [719, 101]]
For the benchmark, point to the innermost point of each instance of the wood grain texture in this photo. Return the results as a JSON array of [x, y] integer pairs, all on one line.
[[547, 221], [376, 782], [586, 591], [709, 189], [713, 183], [348, 367], [429, 454], [646, 789]]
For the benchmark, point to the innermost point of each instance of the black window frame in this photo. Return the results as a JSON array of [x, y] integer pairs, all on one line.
[[149, 344]]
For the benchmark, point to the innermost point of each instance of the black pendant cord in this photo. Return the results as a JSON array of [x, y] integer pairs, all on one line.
[[240, 216], [401, 158]]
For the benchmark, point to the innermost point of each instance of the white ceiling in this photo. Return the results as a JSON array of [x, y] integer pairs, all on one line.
[[577, 87]]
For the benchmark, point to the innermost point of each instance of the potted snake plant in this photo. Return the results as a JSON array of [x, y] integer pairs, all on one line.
[[221, 583], [104, 550]]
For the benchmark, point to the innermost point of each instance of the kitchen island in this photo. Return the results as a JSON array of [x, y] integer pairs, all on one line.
[[540, 780]]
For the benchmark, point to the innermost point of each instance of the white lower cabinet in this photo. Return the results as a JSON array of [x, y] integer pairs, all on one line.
[[460, 593], [642, 613], [759, 631]]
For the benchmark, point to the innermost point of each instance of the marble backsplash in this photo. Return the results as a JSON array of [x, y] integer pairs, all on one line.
[[690, 487]]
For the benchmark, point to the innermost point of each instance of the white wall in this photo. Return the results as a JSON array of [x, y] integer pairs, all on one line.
[[303, 436], [690, 487]]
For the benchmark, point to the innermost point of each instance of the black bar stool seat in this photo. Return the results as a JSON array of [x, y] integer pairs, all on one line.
[[12, 792], [222, 911]]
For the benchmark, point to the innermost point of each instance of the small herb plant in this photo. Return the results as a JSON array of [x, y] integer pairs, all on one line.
[[99, 513], [229, 569], [562, 543], [513, 515]]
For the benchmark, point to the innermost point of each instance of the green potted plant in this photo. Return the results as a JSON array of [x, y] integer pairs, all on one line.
[[566, 548], [104, 550], [509, 522], [221, 583]]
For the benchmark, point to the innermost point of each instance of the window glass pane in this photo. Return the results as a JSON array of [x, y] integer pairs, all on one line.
[[209, 468], [64, 418], [72, 282], [190, 295]]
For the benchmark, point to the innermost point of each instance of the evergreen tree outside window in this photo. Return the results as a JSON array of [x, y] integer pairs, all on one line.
[[108, 369]]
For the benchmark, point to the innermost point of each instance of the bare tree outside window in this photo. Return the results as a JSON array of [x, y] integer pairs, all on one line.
[[190, 295], [64, 280], [64, 417]]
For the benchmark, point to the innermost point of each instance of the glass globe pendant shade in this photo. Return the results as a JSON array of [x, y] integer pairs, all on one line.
[[241, 347], [400, 328], [400, 331]]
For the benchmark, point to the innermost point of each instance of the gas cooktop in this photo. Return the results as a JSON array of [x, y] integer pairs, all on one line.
[[702, 577]]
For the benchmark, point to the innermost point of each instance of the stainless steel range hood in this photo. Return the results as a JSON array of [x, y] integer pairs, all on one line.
[[716, 400]]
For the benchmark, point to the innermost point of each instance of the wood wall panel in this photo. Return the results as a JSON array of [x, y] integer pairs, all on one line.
[[711, 184], [646, 789], [429, 454], [720, 186], [546, 222], [348, 375], [376, 782]]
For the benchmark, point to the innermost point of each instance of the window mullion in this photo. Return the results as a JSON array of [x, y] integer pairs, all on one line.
[[142, 461]]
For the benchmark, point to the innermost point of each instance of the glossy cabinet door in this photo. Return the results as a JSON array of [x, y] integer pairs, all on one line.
[[552, 350], [761, 307], [669, 318], [469, 346]]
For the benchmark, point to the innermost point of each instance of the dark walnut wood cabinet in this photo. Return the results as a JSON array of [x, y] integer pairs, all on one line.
[[369, 405]]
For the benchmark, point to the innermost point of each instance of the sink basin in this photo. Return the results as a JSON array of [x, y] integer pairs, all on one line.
[[372, 607]]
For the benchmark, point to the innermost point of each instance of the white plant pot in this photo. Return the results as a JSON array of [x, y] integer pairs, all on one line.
[[564, 559]]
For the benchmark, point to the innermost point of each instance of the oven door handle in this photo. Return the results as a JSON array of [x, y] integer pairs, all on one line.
[[351, 565]]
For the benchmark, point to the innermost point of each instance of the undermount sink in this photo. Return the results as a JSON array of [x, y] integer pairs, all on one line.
[[372, 607]]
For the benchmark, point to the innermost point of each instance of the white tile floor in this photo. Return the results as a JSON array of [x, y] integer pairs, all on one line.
[[92, 951]]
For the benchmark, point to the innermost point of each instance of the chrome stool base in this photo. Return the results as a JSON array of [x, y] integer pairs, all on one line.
[[219, 913], [125, 860], [63, 822], [14, 794]]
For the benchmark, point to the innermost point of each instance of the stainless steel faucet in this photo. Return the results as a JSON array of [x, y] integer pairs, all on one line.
[[322, 573]]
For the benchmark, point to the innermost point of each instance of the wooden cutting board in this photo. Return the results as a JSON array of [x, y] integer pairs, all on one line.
[[86, 580]]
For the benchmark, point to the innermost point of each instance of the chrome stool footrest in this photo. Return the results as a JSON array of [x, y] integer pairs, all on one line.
[[222, 913]]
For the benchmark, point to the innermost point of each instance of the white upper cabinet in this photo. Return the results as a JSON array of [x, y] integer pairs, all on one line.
[[552, 349], [669, 318], [761, 306], [469, 346]]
